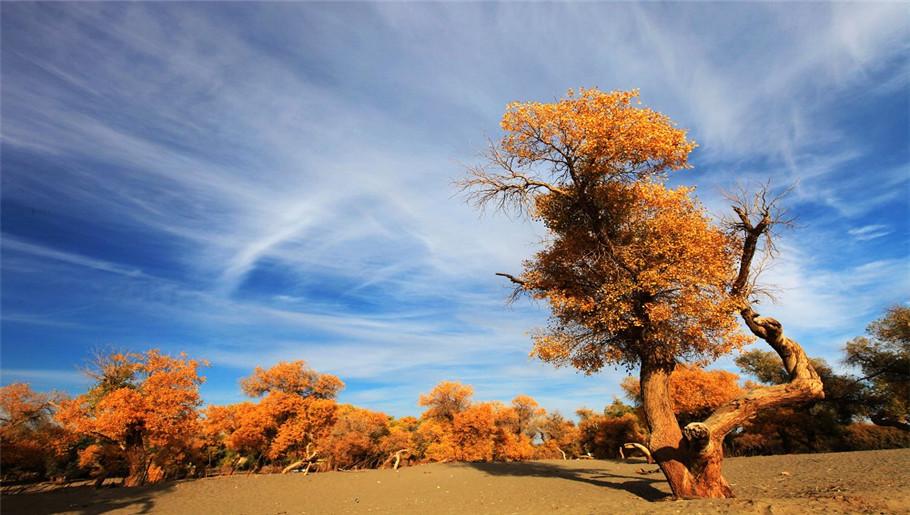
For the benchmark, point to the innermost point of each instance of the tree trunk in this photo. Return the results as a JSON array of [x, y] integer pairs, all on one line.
[[137, 461], [666, 438]]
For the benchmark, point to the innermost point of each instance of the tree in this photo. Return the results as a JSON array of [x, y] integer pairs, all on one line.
[[356, 440], [32, 442], [560, 437], [292, 377], [884, 359], [601, 435], [297, 410], [635, 273], [142, 410], [527, 412], [446, 400]]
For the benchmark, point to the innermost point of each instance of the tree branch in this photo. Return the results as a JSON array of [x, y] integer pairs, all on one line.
[[512, 278], [805, 383]]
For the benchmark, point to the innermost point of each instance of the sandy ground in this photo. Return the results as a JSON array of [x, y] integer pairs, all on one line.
[[856, 482]]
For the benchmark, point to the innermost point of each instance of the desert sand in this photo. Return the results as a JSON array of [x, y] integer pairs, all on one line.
[[855, 482]]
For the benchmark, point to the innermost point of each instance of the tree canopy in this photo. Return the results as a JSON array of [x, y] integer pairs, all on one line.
[[632, 267]]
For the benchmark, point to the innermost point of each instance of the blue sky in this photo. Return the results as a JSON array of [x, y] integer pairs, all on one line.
[[251, 183]]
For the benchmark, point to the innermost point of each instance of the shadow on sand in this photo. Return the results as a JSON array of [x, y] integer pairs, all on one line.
[[594, 472], [84, 500]]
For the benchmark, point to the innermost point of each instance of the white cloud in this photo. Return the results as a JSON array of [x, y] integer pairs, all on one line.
[[869, 232]]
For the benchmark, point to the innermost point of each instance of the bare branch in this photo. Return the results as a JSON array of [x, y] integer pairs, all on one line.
[[511, 187], [757, 216], [512, 278]]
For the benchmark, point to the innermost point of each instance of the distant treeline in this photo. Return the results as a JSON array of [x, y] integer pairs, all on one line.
[[142, 419]]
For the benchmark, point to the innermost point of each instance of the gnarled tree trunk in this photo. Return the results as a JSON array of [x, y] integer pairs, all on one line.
[[666, 437], [691, 458]]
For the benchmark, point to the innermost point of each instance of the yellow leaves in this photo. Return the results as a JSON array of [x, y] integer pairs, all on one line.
[[609, 135], [141, 403], [447, 399], [292, 377], [632, 268], [657, 263], [694, 392]]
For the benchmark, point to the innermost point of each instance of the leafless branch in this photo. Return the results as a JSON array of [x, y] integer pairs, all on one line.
[[758, 215], [512, 187]]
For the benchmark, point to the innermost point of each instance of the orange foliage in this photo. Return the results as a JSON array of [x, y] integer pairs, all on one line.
[[559, 436], [297, 421], [298, 409], [447, 399], [697, 392], [358, 439], [527, 411], [142, 408], [669, 272], [293, 377], [453, 429], [694, 391], [472, 432], [604, 127], [32, 442], [625, 252], [601, 436]]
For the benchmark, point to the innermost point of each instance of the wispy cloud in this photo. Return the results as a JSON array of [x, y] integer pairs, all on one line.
[[45, 377], [869, 232], [273, 181], [11, 244]]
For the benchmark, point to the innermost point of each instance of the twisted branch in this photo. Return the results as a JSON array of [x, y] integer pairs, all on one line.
[[756, 219]]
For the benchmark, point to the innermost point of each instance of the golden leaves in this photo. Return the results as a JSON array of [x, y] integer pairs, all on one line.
[[292, 377], [601, 130], [632, 268]]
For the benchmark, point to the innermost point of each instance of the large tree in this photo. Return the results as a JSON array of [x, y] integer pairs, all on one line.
[[636, 273]]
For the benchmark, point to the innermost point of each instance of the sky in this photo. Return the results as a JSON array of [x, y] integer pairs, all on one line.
[[255, 183]]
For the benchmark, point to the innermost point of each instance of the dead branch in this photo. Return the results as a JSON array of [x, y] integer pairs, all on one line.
[[397, 457], [294, 466], [310, 458], [636, 446], [511, 278], [239, 462]]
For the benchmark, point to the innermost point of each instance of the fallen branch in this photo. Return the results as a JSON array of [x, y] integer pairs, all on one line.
[[309, 460], [636, 446], [294, 466]]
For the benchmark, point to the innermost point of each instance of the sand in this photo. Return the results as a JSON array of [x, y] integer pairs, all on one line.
[[855, 482]]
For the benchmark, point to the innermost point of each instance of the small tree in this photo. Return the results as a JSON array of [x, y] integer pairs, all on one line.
[[884, 359], [297, 410], [635, 273], [446, 400], [32, 442]]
